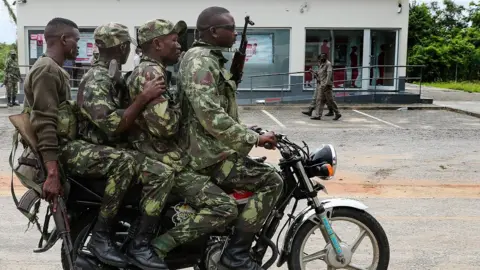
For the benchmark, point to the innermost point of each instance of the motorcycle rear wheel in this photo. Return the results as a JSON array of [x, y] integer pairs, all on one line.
[[365, 219]]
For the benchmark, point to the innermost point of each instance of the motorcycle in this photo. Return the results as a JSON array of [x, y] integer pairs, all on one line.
[[297, 166]]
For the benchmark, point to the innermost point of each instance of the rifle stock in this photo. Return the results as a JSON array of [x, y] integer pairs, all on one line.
[[238, 62]]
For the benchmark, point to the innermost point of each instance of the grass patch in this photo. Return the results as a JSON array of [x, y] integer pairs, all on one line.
[[471, 87]]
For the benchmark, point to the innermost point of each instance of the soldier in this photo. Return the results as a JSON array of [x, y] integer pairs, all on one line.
[[311, 107], [12, 77], [157, 138], [214, 137], [324, 90], [104, 102], [47, 92]]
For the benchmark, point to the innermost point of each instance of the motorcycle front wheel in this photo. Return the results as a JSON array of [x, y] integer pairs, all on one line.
[[369, 228]]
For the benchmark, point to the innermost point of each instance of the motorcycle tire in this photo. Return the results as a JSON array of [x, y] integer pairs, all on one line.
[[363, 217]]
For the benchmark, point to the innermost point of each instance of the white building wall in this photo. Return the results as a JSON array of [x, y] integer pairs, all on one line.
[[330, 14]]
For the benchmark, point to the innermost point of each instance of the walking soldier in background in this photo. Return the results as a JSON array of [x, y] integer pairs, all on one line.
[[324, 91], [12, 77]]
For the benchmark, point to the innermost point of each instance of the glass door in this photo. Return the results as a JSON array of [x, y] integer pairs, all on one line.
[[383, 59]]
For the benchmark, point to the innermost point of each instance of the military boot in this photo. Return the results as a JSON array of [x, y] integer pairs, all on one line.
[[140, 252], [9, 102], [102, 246], [337, 116], [330, 113], [237, 253], [308, 112], [14, 102]]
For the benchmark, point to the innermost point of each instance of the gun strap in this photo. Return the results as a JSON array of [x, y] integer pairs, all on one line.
[[23, 206]]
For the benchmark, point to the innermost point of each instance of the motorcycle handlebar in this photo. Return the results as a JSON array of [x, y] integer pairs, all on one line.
[[261, 131]]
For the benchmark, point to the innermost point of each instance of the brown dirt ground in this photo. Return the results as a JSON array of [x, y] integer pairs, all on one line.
[[345, 183]]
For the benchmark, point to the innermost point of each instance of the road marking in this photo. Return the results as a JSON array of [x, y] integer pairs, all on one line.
[[378, 119], [274, 119]]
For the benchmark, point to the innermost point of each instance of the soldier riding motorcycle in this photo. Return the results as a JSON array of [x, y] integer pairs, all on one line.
[[298, 167]]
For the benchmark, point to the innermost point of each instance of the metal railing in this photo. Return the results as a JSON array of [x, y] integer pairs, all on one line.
[[277, 92], [284, 88]]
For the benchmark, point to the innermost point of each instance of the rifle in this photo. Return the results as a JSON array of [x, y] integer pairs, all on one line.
[[239, 58], [63, 228]]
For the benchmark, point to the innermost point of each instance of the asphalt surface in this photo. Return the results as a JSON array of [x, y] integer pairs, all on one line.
[[418, 171]]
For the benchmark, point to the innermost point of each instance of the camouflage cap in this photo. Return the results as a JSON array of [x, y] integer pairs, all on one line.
[[158, 27], [112, 34], [13, 52]]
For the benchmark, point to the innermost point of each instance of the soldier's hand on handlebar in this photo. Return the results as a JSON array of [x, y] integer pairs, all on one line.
[[268, 139]]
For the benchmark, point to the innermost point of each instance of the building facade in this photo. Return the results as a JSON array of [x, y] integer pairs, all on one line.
[[285, 41]]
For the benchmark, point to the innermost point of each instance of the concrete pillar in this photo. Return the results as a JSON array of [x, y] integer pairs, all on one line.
[[367, 41]]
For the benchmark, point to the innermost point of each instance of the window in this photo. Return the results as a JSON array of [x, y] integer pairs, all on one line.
[[268, 52], [344, 49], [76, 68], [383, 49]]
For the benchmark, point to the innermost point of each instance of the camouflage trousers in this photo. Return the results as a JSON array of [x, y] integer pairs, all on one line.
[[86, 160], [325, 96], [215, 208], [119, 167], [157, 180], [313, 103], [12, 89]]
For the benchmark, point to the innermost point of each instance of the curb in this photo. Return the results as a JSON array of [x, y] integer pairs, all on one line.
[[477, 115], [363, 108], [344, 107]]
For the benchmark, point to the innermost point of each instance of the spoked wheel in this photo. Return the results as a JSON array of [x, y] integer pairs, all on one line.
[[80, 240], [324, 256]]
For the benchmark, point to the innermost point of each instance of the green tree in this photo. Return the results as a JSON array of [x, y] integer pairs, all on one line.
[[446, 39]]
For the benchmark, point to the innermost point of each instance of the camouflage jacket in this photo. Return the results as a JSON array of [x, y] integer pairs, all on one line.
[[100, 101], [211, 129], [12, 71], [159, 122]]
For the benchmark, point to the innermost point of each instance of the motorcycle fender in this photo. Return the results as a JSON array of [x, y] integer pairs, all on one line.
[[309, 215]]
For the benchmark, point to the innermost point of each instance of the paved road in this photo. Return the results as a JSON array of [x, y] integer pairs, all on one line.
[[418, 171]]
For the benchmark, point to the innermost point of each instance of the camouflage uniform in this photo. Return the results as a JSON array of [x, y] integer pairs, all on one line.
[[12, 77], [157, 138], [325, 90], [216, 140], [102, 107]]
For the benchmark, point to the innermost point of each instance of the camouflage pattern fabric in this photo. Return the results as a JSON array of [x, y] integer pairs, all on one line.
[[325, 96], [212, 130], [324, 90], [157, 138], [249, 175], [159, 123], [12, 75], [214, 137], [89, 161], [158, 27], [214, 209], [102, 111], [314, 100], [111, 35]]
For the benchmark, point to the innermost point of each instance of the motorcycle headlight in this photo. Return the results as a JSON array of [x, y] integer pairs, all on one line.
[[323, 162]]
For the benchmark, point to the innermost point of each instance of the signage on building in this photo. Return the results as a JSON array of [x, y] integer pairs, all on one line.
[[259, 48], [85, 48]]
